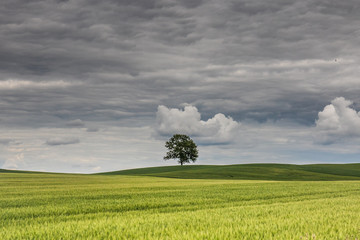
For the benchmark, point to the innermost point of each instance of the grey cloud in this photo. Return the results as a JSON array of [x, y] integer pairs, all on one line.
[[259, 7], [191, 3], [112, 63], [341, 8], [75, 123], [92, 129], [256, 61], [62, 141], [176, 32], [5, 141]]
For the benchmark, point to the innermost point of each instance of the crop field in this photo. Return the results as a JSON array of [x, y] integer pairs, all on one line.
[[70, 206]]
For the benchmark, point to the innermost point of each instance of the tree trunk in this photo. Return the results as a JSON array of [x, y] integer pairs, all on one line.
[[181, 163]]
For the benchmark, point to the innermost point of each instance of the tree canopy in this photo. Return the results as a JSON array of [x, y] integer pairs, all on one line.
[[181, 147]]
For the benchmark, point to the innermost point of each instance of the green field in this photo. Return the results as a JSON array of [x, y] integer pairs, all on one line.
[[279, 172], [70, 206]]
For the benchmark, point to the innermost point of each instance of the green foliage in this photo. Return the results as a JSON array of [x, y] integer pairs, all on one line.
[[181, 147], [283, 172], [66, 206]]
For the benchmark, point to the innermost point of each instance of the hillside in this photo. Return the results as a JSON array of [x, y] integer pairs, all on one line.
[[280, 172], [17, 171], [313, 172]]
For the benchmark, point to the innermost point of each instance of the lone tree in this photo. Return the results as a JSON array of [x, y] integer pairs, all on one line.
[[181, 147]]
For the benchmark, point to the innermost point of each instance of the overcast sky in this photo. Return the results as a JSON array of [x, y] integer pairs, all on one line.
[[91, 86]]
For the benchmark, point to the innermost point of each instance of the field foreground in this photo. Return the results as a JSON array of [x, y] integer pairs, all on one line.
[[65, 206]]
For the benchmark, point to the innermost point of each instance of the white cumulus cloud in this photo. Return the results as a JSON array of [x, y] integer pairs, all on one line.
[[217, 130], [337, 121]]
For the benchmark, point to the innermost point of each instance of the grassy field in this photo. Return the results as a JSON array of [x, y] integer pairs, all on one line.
[[280, 172], [68, 206]]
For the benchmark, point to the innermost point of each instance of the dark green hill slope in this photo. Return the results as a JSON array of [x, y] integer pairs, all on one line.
[[30, 172], [16, 171], [313, 172]]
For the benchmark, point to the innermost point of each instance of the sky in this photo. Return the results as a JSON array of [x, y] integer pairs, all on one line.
[[95, 86]]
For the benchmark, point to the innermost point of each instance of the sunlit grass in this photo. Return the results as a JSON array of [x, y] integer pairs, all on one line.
[[60, 206]]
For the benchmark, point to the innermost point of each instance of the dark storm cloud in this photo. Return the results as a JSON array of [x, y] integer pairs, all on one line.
[[119, 60], [259, 7], [191, 3]]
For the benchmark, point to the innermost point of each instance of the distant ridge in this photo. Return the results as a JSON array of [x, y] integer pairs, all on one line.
[[16, 171], [276, 172], [30, 172], [281, 172]]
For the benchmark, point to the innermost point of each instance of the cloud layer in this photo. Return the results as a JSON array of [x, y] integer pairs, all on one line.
[[253, 61], [75, 123], [338, 121], [70, 68], [216, 130], [62, 141]]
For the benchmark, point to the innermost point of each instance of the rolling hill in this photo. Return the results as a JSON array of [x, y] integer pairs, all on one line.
[[277, 172], [282, 172], [17, 171]]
